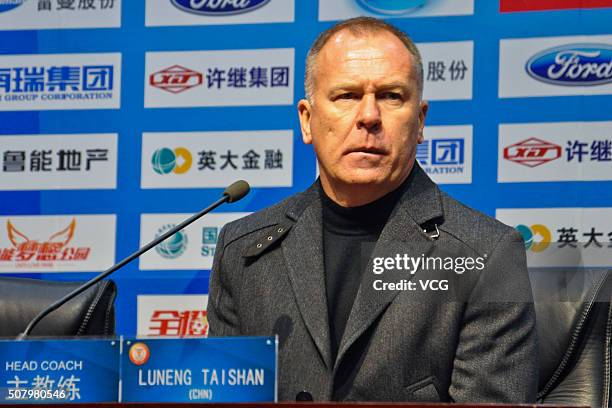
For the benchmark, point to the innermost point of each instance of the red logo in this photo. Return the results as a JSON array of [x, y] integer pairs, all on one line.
[[139, 353], [54, 248], [181, 323], [532, 152], [506, 6], [175, 79]]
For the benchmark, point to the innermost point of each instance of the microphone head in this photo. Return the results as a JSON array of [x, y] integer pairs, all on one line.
[[237, 191]]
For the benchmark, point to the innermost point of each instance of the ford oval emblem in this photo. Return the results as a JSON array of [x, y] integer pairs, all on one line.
[[219, 7], [10, 4], [391, 7], [573, 65]]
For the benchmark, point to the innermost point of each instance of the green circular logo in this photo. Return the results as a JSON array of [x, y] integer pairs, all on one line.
[[163, 161], [172, 247], [526, 233]]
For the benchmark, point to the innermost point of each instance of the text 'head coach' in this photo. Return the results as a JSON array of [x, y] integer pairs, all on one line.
[[380, 286]]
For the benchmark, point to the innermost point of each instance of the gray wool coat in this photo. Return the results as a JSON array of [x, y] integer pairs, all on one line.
[[474, 342]]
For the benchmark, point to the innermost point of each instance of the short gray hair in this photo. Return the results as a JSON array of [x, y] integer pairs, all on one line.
[[359, 26]]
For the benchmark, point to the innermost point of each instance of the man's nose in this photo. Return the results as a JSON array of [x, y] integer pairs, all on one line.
[[369, 114]]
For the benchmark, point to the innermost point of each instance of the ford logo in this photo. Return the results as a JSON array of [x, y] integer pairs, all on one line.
[[391, 7], [6, 5], [573, 65], [218, 7]]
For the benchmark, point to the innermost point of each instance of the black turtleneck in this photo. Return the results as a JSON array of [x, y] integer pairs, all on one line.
[[349, 236]]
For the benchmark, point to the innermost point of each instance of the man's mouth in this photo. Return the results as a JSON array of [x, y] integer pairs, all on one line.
[[368, 150]]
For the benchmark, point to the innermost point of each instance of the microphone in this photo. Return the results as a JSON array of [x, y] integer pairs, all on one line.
[[231, 194], [236, 191]]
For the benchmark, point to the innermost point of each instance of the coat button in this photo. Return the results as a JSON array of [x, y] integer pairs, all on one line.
[[303, 396]]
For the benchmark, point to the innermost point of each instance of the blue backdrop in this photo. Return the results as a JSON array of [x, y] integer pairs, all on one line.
[[485, 111]]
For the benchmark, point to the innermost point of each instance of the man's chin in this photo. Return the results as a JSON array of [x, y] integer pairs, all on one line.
[[366, 178]]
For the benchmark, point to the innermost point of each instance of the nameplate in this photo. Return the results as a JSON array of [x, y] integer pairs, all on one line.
[[53, 371], [230, 369]]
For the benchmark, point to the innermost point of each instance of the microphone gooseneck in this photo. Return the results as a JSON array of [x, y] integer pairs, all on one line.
[[232, 193]]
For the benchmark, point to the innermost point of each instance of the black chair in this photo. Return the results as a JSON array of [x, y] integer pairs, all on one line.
[[92, 313], [574, 322]]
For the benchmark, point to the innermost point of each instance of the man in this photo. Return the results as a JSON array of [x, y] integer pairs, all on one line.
[[309, 268]]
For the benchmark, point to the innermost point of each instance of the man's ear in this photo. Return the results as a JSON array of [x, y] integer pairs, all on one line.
[[304, 112], [424, 106]]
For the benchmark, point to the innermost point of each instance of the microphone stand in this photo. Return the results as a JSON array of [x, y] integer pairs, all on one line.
[[88, 284]]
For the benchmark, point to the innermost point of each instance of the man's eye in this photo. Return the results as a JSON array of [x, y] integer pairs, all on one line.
[[347, 96], [394, 96]]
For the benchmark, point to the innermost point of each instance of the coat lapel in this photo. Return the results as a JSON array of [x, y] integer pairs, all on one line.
[[303, 252], [403, 234]]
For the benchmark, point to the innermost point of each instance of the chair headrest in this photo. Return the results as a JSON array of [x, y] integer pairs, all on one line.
[[90, 313]]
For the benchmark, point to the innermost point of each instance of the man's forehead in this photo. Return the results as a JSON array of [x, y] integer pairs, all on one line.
[[347, 41], [346, 52], [345, 46]]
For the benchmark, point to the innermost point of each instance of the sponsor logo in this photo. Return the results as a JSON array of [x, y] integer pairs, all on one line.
[[556, 151], [219, 7], [175, 246], [165, 160], [57, 243], [182, 323], [56, 82], [191, 249], [47, 162], [175, 79], [172, 315], [71, 81], [179, 161], [15, 161], [215, 12], [447, 151], [555, 66], [536, 237], [446, 158], [391, 7], [59, 14], [60, 81], [563, 237], [56, 247], [215, 159], [532, 152], [172, 247], [448, 70], [6, 5], [209, 240], [442, 152], [219, 78], [343, 9], [506, 6], [573, 65], [139, 353]]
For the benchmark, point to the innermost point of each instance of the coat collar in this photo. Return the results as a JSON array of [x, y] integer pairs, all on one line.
[[421, 198], [419, 204]]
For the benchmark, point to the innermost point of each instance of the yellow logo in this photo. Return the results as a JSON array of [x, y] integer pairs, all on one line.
[[537, 237]]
